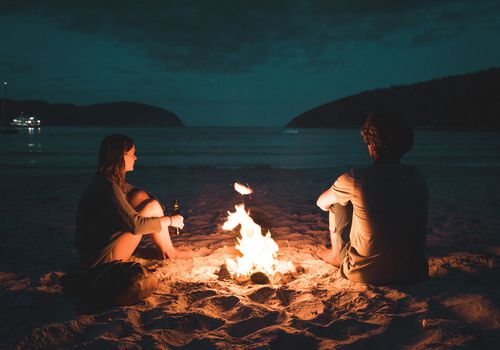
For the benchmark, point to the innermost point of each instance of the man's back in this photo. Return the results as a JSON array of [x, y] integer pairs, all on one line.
[[387, 239]]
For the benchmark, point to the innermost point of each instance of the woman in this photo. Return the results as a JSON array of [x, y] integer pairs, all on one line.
[[113, 216]]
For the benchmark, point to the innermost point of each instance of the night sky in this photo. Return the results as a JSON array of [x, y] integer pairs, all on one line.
[[237, 63]]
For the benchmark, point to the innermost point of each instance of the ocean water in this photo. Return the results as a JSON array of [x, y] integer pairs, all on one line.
[[59, 149]]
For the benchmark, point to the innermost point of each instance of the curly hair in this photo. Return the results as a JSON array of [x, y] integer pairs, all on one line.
[[389, 136], [111, 163]]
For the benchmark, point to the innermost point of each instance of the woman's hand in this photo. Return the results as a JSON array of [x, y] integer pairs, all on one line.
[[174, 221], [177, 221]]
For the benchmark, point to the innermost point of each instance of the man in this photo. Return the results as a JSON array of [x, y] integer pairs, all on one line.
[[378, 214]]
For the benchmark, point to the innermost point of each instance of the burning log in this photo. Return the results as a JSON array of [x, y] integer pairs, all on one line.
[[224, 273], [259, 278], [259, 253]]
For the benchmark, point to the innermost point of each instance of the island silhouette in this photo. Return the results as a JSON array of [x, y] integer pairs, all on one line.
[[102, 114], [469, 101]]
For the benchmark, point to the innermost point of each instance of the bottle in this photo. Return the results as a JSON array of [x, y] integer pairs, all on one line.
[[176, 208]]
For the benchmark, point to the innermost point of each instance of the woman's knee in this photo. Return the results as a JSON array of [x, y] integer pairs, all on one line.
[[137, 197], [151, 208]]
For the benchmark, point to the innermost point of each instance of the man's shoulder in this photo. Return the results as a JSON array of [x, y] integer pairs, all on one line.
[[352, 173], [394, 171], [375, 168], [360, 171]]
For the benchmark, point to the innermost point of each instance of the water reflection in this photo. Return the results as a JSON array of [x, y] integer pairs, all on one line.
[[34, 131], [34, 144], [35, 147]]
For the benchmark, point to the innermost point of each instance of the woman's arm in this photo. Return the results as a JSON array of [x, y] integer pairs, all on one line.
[[128, 218]]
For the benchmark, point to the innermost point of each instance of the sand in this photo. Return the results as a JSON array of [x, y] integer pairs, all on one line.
[[458, 306]]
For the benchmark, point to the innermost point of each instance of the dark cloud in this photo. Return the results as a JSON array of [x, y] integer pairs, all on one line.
[[234, 36], [146, 82], [121, 71], [432, 34], [12, 68]]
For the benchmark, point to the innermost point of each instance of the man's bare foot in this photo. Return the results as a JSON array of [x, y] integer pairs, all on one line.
[[327, 255]]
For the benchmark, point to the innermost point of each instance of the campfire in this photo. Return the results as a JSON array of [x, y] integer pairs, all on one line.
[[259, 253]]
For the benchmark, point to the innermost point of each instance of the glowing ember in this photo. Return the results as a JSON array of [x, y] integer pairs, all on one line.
[[259, 252]]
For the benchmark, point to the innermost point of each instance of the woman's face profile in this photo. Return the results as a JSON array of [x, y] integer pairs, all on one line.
[[129, 158]]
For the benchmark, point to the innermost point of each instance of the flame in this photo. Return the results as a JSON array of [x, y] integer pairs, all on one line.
[[242, 189], [259, 252]]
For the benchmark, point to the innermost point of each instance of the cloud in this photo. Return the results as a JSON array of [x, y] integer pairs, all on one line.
[[235, 36], [11, 68]]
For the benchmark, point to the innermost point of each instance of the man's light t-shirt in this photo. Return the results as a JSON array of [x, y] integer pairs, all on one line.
[[387, 238]]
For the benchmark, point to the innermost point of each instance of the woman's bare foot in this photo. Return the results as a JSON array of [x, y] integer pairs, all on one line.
[[204, 251], [327, 255], [180, 254]]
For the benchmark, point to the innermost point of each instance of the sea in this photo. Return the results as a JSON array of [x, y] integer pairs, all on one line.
[[74, 149]]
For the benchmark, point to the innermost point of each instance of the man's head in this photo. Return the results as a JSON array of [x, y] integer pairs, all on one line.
[[388, 137]]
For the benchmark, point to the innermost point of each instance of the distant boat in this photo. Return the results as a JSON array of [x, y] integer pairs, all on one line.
[[25, 121]]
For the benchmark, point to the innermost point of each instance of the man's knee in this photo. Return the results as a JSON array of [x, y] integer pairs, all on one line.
[[151, 208], [343, 213]]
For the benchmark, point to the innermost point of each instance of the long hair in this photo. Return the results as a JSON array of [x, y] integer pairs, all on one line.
[[111, 163], [389, 136]]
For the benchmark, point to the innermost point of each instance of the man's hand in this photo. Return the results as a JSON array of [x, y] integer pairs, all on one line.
[[326, 199]]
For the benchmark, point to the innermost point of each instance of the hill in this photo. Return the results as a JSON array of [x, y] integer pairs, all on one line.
[[103, 114], [470, 101]]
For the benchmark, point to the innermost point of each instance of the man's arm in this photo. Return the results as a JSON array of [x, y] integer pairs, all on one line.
[[326, 199], [340, 192]]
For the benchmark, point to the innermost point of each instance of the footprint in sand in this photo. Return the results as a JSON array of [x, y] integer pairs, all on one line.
[[183, 322], [262, 294], [248, 326], [223, 303], [285, 295], [286, 340], [306, 306], [343, 329], [200, 344], [194, 297]]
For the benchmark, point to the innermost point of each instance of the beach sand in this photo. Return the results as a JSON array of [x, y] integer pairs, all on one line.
[[458, 306]]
